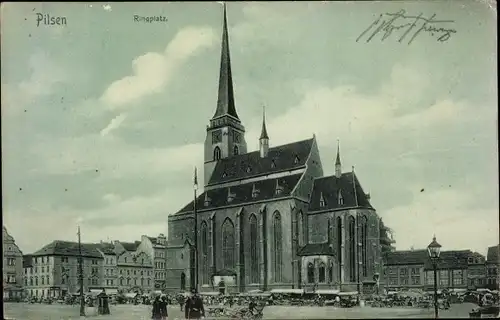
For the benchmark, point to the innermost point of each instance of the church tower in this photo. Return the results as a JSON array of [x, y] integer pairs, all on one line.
[[225, 133]]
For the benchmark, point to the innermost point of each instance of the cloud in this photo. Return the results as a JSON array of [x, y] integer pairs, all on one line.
[[45, 76], [152, 71], [114, 124]]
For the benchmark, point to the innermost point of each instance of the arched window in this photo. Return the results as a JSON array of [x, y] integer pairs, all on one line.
[[183, 281], [310, 273], [330, 273], [43, 279], [364, 245], [48, 280], [300, 228], [321, 273], [278, 247], [339, 240], [217, 154], [31, 281], [228, 244], [236, 151], [254, 258], [36, 281], [352, 248], [204, 253]]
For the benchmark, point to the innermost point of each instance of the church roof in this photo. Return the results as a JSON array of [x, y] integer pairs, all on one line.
[[330, 188], [317, 249], [243, 193], [281, 158], [66, 248]]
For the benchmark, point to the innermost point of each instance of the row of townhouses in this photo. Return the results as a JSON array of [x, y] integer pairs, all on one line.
[[456, 270], [53, 271]]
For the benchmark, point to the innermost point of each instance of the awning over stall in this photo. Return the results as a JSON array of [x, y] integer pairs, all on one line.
[[288, 291], [131, 295]]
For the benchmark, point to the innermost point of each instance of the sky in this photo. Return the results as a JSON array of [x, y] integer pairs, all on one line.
[[104, 118]]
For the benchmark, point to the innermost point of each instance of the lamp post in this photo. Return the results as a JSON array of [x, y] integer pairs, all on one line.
[[80, 275], [195, 189], [434, 249]]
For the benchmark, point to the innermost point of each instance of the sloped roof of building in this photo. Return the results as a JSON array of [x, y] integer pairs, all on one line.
[[67, 248], [130, 246], [454, 259], [317, 249], [153, 240], [281, 158], [492, 255], [243, 193], [330, 187], [27, 261]]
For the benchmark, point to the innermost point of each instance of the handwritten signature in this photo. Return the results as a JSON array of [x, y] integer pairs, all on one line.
[[388, 23]]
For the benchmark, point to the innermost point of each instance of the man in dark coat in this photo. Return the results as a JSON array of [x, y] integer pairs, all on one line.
[[163, 308], [156, 313], [194, 306]]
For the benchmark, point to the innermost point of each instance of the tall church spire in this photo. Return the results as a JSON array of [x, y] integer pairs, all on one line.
[[225, 100], [264, 138], [338, 164]]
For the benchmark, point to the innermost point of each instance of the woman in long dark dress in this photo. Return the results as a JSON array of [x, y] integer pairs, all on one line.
[[163, 308]]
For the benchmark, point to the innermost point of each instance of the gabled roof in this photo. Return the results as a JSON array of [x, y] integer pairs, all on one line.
[[317, 249], [492, 255], [130, 246], [153, 240], [281, 158], [330, 187], [406, 257], [243, 193], [66, 248], [27, 261], [454, 259]]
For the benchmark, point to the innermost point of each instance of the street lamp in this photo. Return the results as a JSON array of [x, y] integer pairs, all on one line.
[[434, 249]]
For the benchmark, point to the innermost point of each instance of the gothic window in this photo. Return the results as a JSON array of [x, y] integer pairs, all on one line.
[[278, 254], [352, 248], [339, 240], [310, 273], [322, 202], [300, 228], [31, 281], [217, 154], [322, 273], [340, 198], [204, 253], [236, 151], [364, 245], [330, 273], [254, 259], [36, 281], [228, 244]]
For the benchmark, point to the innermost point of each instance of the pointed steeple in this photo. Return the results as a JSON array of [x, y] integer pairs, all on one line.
[[264, 138], [338, 164], [263, 134], [225, 100]]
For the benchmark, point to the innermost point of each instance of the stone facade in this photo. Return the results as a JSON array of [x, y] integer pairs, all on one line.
[[155, 248], [135, 270], [12, 267]]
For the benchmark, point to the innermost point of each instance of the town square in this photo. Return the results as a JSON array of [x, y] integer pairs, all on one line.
[[249, 160]]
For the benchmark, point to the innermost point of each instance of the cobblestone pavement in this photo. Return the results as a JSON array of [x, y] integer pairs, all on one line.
[[21, 311]]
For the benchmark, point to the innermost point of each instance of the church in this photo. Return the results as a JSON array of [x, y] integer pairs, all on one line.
[[270, 219]]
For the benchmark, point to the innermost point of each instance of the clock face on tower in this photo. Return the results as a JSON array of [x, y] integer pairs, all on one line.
[[216, 136]]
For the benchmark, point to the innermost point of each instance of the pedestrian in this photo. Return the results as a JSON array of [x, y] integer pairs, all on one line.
[[180, 301], [156, 310], [194, 306], [163, 307]]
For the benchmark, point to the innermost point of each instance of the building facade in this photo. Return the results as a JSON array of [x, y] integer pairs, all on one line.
[[135, 269], [476, 273], [155, 248], [413, 269], [109, 267], [492, 263], [259, 209], [53, 271], [12, 267]]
